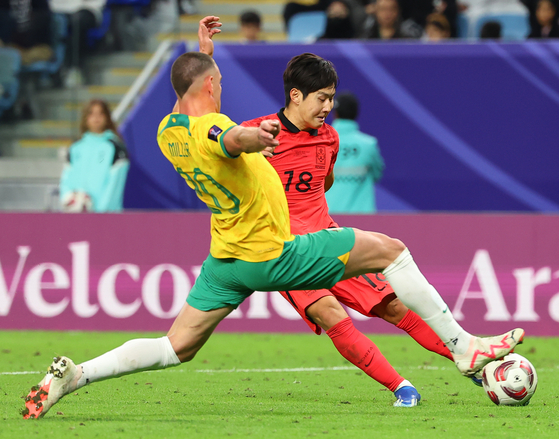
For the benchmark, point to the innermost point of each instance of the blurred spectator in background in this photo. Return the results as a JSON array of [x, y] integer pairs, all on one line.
[[82, 16], [546, 17], [386, 23], [250, 26], [356, 9], [292, 8], [98, 164], [437, 27], [490, 31], [188, 7], [473, 10], [415, 12], [359, 164], [532, 6], [339, 24], [26, 26], [134, 22]]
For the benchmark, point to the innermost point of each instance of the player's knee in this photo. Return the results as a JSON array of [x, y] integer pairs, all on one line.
[[385, 246], [395, 311], [326, 312], [394, 247]]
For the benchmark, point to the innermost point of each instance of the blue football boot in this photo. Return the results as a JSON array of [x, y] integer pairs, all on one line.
[[407, 396]]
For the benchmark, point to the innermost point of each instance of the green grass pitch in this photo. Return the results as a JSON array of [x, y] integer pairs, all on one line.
[[268, 386]]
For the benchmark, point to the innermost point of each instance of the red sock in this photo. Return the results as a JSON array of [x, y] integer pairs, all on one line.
[[423, 334], [363, 353]]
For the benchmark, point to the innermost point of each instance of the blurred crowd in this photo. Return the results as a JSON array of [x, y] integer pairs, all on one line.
[[47, 43], [430, 20]]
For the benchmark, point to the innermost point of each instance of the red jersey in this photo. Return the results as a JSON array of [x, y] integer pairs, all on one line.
[[303, 159]]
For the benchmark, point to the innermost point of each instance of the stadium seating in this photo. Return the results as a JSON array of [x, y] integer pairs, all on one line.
[[462, 26], [306, 27], [515, 27], [135, 3], [10, 66], [60, 32], [97, 33]]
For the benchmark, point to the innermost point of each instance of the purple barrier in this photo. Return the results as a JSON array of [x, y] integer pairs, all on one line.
[[133, 271]]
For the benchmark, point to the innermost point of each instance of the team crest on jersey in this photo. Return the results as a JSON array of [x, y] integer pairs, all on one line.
[[214, 132], [320, 157]]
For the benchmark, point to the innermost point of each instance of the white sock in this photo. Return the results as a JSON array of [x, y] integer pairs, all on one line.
[[133, 356], [417, 294], [404, 384]]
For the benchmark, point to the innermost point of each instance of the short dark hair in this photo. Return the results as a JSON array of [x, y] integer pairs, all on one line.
[[346, 106], [250, 17], [308, 73], [491, 30], [187, 68]]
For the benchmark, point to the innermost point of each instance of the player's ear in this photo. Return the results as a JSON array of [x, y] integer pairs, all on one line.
[[296, 96], [209, 83]]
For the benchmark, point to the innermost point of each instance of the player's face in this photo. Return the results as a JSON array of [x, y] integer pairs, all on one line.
[[216, 82], [96, 120], [316, 106]]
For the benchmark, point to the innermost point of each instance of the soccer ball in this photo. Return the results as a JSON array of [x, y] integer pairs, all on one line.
[[77, 202], [511, 380]]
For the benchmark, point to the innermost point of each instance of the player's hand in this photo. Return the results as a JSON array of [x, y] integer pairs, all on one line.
[[267, 133], [208, 27]]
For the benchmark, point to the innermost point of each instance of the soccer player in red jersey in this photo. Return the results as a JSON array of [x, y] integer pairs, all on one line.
[[304, 161]]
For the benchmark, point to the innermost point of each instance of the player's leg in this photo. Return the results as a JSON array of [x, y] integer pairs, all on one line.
[[209, 302], [353, 345], [371, 295], [373, 252], [189, 332], [320, 310], [392, 310]]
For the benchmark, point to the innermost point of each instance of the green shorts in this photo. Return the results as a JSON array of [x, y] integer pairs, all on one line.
[[309, 262]]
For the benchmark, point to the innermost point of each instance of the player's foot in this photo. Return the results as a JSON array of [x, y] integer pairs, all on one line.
[[59, 381], [483, 350], [407, 396]]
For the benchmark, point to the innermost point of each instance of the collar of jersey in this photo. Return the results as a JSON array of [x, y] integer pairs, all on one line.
[[290, 127]]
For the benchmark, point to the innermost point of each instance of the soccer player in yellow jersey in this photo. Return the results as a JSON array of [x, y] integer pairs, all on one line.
[[252, 247]]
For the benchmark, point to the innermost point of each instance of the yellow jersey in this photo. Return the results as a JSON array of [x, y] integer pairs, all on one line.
[[250, 217]]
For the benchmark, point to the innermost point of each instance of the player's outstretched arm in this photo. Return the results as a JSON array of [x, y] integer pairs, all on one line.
[[252, 139], [207, 28]]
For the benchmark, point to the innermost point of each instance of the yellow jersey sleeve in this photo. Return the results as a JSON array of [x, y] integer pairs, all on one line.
[[212, 128], [208, 130]]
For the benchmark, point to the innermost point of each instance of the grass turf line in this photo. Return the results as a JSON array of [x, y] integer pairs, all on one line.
[[279, 404]]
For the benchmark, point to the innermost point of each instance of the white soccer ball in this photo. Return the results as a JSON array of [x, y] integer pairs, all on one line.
[[77, 202], [510, 381]]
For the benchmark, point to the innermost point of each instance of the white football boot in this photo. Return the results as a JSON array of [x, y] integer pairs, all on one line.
[[483, 350], [61, 379]]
